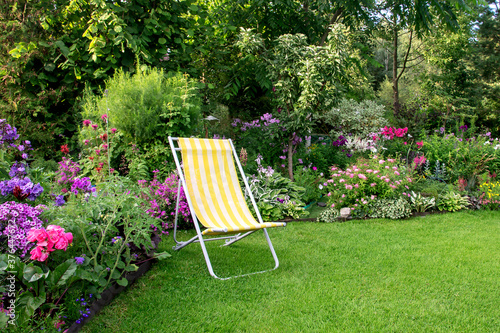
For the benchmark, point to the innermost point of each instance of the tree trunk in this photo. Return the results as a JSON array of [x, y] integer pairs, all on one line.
[[333, 20], [395, 77], [290, 157]]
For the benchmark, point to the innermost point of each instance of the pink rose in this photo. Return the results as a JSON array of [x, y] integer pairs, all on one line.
[[37, 235], [69, 237], [53, 235], [62, 244]]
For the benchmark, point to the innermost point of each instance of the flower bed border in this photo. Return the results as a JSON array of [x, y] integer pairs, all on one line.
[[109, 294]]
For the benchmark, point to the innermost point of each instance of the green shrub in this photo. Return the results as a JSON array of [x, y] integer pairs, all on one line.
[[452, 202], [147, 105], [329, 215], [389, 209], [420, 203], [357, 118], [312, 181]]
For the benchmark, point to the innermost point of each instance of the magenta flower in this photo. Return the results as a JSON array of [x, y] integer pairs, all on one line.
[[94, 126], [113, 130], [86, 122], [314, 168], [420, 144], [104, 117]]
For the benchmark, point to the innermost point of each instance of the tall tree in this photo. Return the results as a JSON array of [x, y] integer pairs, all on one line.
[[415, 18]]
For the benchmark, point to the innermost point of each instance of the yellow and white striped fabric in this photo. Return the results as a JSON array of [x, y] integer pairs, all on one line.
[[214, 189]]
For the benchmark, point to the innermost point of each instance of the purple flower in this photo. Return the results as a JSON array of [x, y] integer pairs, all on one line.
[[16, 219], [18, 169], [82, 184], [59, 200], [463, 128], [79, 260]]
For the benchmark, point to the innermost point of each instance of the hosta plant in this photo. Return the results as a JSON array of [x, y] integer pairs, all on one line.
[[452, 202], [420, 203]]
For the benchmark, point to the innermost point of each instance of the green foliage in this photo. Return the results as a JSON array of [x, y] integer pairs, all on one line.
[[452, 202], [52, 48], [323, 155], [312, 181], [360, 118], [147, 105], [105, 227], [462, 158], [420, 203], [328, 216], [393, 209], [307, 79], [276, 196]]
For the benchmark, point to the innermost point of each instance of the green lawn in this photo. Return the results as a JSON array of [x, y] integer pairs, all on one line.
[[439, 273]]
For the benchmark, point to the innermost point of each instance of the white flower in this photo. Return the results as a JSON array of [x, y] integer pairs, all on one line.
[[320, 186]]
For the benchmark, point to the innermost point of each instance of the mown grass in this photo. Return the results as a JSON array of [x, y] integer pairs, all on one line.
[[440, 273]]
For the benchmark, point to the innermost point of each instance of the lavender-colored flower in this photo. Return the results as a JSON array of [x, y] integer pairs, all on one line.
[[18, 169], [16, 219], [24, 185], [59, 200], [8, 134], [82, 184], [79, 260]]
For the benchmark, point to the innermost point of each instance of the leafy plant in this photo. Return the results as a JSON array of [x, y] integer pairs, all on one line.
[[389, 208], [452, 202], [147, 105], [312, 181], [274, 194], [106, 228], [420, 203], [360, 118], [329, 215]]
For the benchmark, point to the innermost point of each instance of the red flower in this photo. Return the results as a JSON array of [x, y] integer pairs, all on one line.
[[91, 158], [64, 149], [98, 169]]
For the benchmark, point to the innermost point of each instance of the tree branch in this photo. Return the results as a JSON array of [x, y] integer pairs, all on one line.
[[334, 19], [406, 56]]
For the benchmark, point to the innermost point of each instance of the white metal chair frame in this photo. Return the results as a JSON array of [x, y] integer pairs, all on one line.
[[199, 237]]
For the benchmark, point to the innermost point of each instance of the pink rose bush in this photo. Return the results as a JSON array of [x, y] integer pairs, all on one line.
[[367, 180], [48, 240]]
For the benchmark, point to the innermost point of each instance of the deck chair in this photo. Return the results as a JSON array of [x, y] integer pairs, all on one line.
[[214, 196]]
